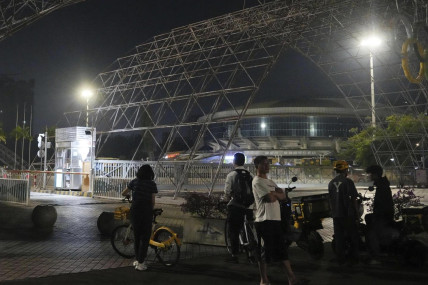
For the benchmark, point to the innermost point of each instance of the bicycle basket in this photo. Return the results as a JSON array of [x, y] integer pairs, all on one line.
[[121, 213]]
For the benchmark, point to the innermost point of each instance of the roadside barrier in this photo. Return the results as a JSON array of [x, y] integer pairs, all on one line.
[[15, 190]]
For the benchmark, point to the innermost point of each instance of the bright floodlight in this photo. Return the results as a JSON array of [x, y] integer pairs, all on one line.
[[371, 41], [263, 125], [87, 93]]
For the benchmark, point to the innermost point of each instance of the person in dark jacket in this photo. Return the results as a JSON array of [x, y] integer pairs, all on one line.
[[383, 210], [143, 190], [343, 203], [236, 212]]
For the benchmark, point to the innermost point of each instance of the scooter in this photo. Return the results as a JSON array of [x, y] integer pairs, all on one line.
[[301, 217], [404, 240]]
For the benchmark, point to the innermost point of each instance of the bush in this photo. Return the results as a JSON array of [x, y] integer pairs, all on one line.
[[204, 206], [405, 197]]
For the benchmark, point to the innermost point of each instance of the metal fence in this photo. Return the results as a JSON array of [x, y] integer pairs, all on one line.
[[15, 190], [111, 177]]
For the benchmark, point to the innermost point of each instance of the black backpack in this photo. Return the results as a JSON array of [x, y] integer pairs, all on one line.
[[242, 190]]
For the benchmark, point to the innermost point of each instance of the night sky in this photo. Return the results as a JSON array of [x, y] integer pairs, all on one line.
[[71, 46]]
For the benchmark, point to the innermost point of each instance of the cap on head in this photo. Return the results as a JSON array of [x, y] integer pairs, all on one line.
[[341, 165]]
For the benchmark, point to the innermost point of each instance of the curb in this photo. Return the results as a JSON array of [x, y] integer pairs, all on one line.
[[69, 193]]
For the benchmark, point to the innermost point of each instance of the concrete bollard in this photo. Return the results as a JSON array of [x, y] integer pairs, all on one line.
[[44, 216], [106, 223]]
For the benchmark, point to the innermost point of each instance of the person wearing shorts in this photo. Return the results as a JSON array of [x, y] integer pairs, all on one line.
[[268, 222]]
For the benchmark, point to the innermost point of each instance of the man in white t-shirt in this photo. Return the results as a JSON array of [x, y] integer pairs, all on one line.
[[268, 221]]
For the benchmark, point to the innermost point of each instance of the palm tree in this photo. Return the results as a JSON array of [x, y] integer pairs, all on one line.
[[21, 133], [2, 134]]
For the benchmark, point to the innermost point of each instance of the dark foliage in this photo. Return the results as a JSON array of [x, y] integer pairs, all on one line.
[[204, 206]]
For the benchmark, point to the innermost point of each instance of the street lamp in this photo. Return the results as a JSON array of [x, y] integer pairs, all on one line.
[[87, 93], [372, 42]]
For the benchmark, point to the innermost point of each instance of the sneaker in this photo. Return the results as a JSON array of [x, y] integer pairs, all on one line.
[[135, 263], [141, 266]]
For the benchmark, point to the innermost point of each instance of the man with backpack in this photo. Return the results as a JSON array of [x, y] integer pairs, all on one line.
[[239, 192]]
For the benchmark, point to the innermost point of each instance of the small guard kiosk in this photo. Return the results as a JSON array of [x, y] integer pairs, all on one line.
[[74, 153]]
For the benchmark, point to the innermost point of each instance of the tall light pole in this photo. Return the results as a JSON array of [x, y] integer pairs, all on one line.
[[87, 93], [372, 42]]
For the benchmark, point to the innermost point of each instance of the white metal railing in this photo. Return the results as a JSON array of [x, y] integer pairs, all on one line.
[[113, 176], [15, 190]]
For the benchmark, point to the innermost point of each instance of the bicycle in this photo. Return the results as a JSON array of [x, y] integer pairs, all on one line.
[[163, 240], [247, 239]]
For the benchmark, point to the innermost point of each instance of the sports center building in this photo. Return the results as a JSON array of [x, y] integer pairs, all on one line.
[[290, 132], [292, 120]]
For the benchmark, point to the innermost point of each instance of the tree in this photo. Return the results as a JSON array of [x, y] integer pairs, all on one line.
[[21, 133], [2, 134], [359, 146]]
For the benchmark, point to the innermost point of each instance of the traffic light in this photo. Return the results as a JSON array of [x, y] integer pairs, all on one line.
[[41, 140], [41, 145]]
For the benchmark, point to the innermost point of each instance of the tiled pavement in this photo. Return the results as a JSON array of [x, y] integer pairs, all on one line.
[[75, 244]]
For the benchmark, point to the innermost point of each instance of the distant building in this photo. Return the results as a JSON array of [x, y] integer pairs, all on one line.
[[289, 131], [16, 100]]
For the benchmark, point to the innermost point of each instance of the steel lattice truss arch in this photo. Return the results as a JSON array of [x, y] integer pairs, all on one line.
[[166, 84], [16, 14], [334, 45]]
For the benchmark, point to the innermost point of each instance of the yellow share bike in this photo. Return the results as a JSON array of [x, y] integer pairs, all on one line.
[[163, 240]]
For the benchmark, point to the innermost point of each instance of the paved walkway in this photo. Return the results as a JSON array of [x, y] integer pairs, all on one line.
[[74, 252], [74, 244]]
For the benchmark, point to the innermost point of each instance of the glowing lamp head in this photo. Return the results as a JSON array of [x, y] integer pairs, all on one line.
[[87, 93], [371, 41]]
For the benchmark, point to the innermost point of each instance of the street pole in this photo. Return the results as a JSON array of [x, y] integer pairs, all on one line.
[[91, 181], [45, 163], [423, 152], [372, 91], [87, 111]]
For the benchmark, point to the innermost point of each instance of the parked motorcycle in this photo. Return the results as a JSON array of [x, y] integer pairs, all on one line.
[[405, 240], [301, 218]]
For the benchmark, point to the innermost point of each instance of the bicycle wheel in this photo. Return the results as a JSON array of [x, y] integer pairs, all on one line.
[[122, 240], [251, 248], [170, 254]]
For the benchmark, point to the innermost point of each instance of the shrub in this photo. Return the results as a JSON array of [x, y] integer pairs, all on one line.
[[204, 206]]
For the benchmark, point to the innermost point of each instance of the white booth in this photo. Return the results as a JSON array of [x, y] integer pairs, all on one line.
[[75, 156]]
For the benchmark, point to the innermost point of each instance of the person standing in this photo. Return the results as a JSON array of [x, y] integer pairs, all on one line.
[[268, 222], [344, 211], [236, 210], [383, 210], [143, 190]]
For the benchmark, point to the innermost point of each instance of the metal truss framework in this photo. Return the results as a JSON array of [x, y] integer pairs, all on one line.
[[16, 14], [167, 83]]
